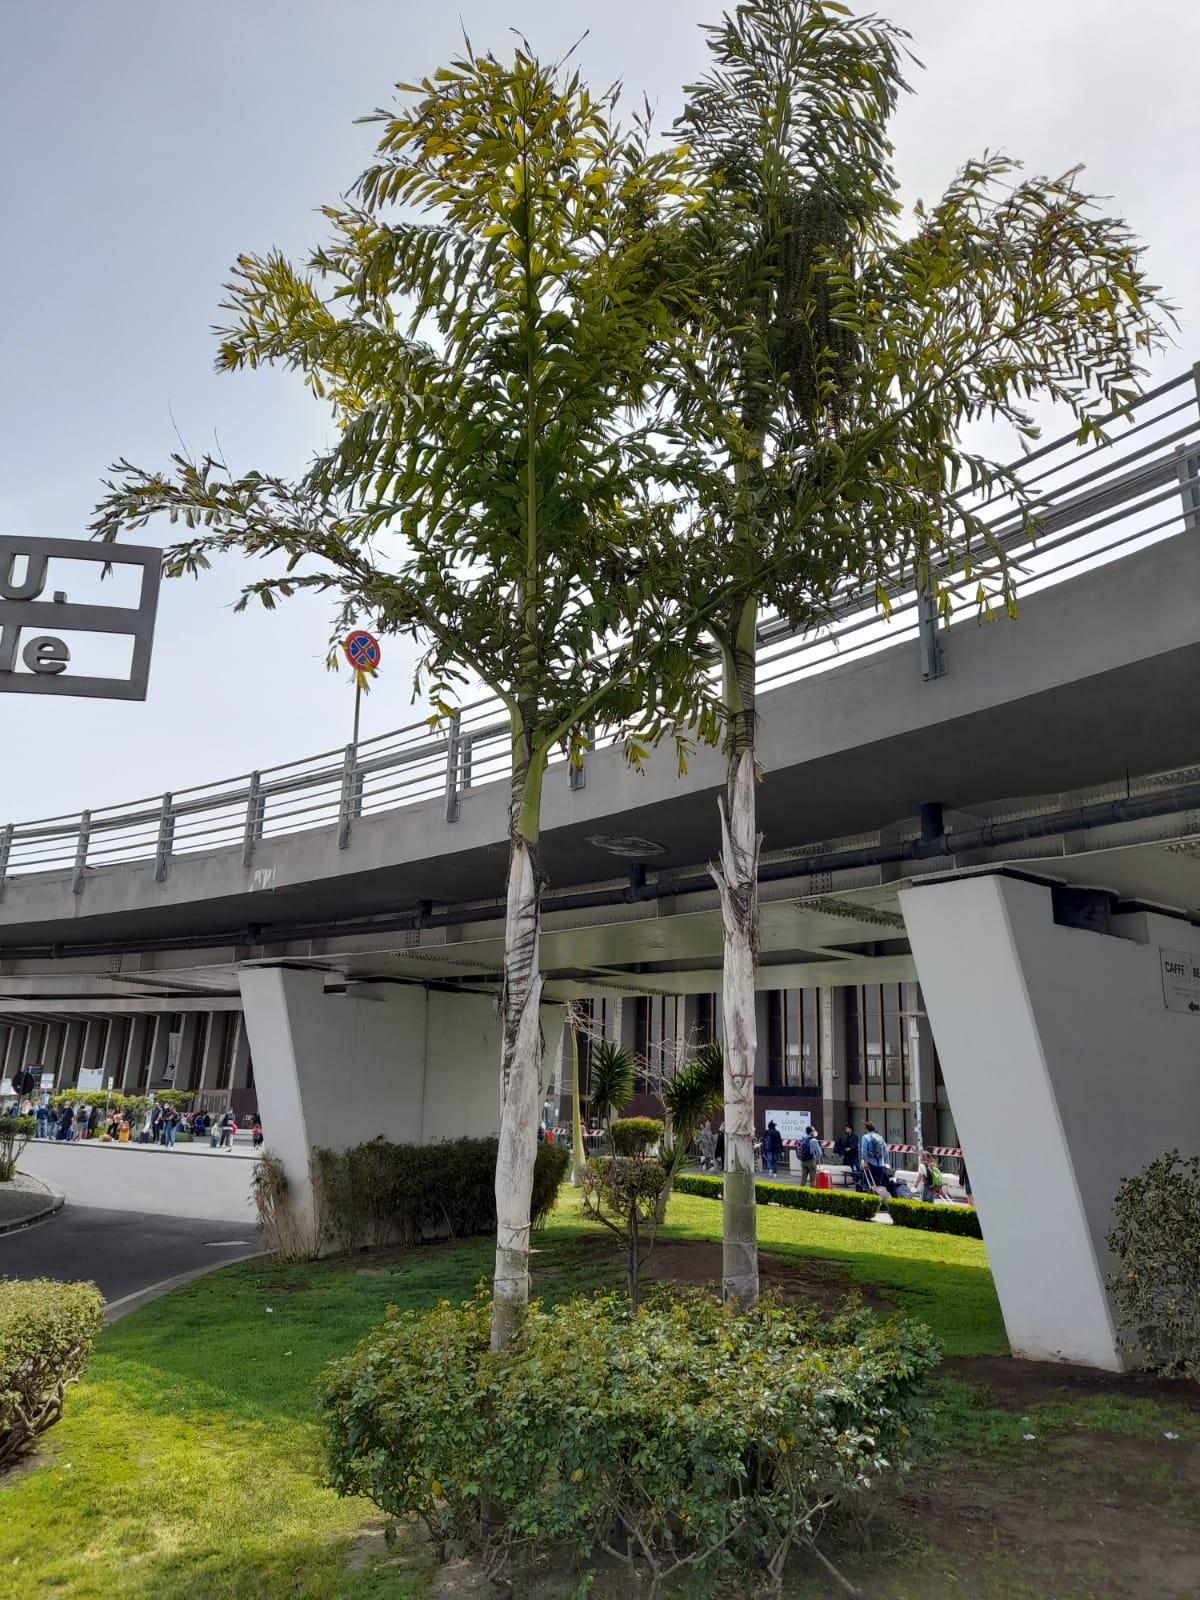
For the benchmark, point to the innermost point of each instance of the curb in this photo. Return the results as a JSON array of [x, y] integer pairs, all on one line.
[[114, 1310], [57, 1199]]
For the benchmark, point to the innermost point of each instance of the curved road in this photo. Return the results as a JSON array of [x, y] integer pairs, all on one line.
[[127, 1253]]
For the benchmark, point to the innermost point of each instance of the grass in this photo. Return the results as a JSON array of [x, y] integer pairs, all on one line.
[[189, 1461]]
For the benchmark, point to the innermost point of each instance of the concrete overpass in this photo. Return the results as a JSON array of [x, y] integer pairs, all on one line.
[[977, 808]]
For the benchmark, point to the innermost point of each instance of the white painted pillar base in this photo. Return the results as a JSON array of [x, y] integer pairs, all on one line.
[[1066, 1073]]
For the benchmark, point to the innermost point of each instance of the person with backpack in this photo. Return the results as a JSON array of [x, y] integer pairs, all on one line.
[[874, 1155], [930, 1178], [772, 1149], [170, 1127], [810, 1153]]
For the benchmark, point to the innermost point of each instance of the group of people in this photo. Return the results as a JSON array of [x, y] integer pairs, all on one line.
[[161, 1124], [866, 1155]]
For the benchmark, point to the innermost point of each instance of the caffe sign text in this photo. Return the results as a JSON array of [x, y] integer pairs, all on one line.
[[37, 617]]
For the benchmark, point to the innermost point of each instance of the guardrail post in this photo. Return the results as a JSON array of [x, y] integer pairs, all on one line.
[[452, 757], [350, 803], [1187, 469], [6, 833], [577, 775], [81, 850], [255, 812], [466, 745], [166, 840], [932, 646]]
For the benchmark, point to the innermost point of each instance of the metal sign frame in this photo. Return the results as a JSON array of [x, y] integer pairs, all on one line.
[[57, 615]]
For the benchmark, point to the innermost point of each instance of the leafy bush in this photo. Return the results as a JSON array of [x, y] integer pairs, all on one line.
[[15, 1134], [134, 1106], [622, 1192], [181, 1099], [46, 1333], [633, 1136], [685, 1436], [1156, 1285], [960, 1220], [378, 1192]]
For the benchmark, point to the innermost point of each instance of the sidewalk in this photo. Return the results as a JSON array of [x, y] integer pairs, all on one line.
[[25, 1199]]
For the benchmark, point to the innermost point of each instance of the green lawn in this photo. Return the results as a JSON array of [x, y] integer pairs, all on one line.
[[189, 1463]]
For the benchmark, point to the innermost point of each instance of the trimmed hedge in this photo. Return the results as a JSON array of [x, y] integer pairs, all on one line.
[[379, 1193], [959, 1220], [46, 1333], [684, 1436], [833, 1202]]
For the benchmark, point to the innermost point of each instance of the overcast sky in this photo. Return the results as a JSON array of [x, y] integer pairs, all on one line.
[[147, 144]]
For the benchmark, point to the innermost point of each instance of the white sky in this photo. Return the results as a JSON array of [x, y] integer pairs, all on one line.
[[147, 144]]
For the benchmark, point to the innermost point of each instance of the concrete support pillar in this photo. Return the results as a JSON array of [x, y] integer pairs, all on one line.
[[191, 1042], [335, 1070], [14, 1050], [1068, 1071], [158, 1053], [132, 1079], [239, 1075], [111, 1059], [834, 1110], [215, 1023], [53, 1052]]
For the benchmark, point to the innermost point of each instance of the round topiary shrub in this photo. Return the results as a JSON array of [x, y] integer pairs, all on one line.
[[634, 1136], [46, 1334], [686, 1436]]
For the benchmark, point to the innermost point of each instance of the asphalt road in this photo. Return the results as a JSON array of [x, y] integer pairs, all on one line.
[[125, 1252]]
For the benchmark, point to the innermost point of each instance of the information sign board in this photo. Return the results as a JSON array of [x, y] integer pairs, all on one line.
[[1180, 981]]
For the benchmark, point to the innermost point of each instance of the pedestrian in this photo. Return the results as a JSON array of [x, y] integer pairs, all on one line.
[[228, 1129], [65, 1118], [846, 1150], [40, 1118], [719, 1149], [929, 1177], [874, 1155], [964, 1177], [156, 1122], [170, 1126], [772, 1147], [707, 1140], [256, 1131], [810, 1157]]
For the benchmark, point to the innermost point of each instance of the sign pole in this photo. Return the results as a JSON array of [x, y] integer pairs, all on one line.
[[357, 706]]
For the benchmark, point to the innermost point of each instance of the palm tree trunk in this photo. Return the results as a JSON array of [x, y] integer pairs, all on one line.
[[736, 876], [521, 1063]]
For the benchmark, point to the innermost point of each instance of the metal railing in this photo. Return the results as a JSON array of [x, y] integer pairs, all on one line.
[[1097, 504]]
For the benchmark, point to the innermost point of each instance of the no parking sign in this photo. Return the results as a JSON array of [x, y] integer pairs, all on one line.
[[362, 651]]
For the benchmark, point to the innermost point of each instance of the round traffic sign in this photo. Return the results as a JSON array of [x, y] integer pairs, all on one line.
[[362, 650]]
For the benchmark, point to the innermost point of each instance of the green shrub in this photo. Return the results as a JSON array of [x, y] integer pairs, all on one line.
[[1156, 1284], [683, 1436], [46, 1333], [633, 1136], [834, 1202], [181, 1099], [15, 1134], [133, 1105], [377, 1193], [960, 1220]]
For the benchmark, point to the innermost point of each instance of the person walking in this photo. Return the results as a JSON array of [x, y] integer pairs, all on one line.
[[719, 1149], [772, 1149], [170, 1126], [256, 1131], [810, 1157], [40, 1118], [874, 1155], [707, 1141], [929, 1177], [228, 1129]]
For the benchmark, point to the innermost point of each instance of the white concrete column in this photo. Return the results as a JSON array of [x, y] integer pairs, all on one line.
[[334, 1070], [158, 1053], [111, 1051], [187, 1073], [239, 1073], [141, 1026], [1067, 1072]]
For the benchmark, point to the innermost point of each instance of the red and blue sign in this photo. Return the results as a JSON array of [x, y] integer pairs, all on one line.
[[362, 651]]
